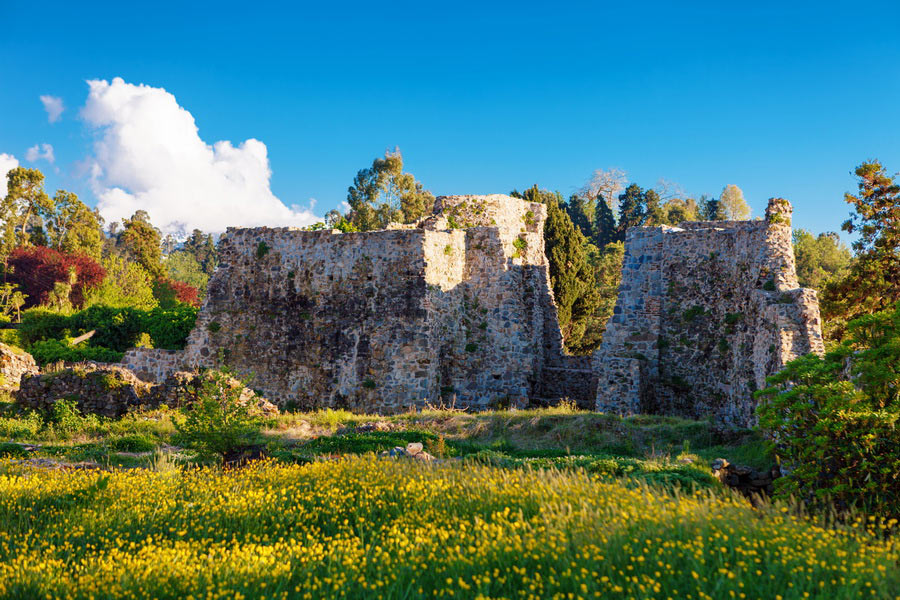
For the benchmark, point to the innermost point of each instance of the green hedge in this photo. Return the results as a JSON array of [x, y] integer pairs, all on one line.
[[117, 329], [835, 421], [50, 351]]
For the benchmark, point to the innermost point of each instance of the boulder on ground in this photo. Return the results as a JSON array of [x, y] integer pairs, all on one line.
[[413, 450], [749, 482], [14, 363]]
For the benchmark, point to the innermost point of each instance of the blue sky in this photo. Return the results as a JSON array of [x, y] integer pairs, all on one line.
[[480, 97]]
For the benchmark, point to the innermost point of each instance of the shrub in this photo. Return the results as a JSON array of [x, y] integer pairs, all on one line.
[[67, 419], [834, 420], [38, 270], [51, 351], [217, 423], [170, 293], [116, 328]]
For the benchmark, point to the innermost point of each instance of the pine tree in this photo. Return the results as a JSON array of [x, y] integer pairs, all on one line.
[[632, 211], [582, 210], [604, 225], [571, 275], [873, 281]]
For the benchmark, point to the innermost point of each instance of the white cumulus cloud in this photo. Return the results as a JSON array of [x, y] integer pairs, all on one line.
[[8, 162], [54, 107], [149, 156], [40, 152]]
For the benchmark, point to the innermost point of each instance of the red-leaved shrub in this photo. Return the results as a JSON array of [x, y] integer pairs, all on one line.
[[37, 269], [168, 292]]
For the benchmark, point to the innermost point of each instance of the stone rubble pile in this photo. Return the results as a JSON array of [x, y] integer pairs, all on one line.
[[13, 365], [111, 391]]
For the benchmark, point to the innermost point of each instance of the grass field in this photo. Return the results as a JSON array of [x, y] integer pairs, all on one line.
[[365, 527], [526, 504]]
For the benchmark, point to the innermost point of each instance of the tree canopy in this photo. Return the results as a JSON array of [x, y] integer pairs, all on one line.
[[384, 193]]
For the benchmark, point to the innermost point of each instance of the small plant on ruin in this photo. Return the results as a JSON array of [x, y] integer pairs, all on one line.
[[213, 327], [692, 313], [262, 249], [218, 422], [520, 244], [448, 249]]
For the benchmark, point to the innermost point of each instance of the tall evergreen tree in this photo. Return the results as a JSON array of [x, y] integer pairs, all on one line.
[[605, 229], [873, 281], [582, 210], [632, 212], [711, 209], [571, 275]]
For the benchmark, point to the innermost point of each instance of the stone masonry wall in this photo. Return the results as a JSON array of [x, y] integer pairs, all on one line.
[[455, 311], [705, 312]]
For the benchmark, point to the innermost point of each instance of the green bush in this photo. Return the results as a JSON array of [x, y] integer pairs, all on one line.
[[67, 420], [116, 328], [216, 423], [51, 351], [135, 442], [21, 427], [834, 420]]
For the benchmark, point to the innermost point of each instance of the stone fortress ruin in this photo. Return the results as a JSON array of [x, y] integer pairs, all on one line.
[[458, 310]]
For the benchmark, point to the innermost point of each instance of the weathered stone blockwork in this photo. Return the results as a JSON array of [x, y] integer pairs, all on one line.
[[456, 311], [705, 312]]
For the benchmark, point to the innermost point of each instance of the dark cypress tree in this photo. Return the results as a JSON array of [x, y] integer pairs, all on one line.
[[604, 224], [632, 212], [571, 275], [581, 210], [711, 209]]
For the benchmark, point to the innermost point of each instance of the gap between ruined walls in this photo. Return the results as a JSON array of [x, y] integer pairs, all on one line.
[[458, 310]]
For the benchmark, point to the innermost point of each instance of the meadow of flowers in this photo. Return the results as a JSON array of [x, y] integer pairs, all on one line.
[[366, 527]]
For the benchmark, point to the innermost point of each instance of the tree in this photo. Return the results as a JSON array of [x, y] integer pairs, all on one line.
[[182, 266], [72, 227], [732, 202], [632, 211], [655, 212], [384, 193], [581, 210], [711, 209], [571, 276], [834, 419], [202, 247], [169, 293], [607, 265], [605, 184], [141, 242], [872, 283], [43, 272], [820, 259], [678, 210], [219, 419], [23, 208], [127, 284], [605, 228]]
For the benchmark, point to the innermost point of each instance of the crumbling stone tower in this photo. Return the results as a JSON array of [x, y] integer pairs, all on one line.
[[705, 312]]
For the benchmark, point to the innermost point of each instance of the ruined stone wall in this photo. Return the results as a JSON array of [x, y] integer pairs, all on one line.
[[455, 311], [705, 312]]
